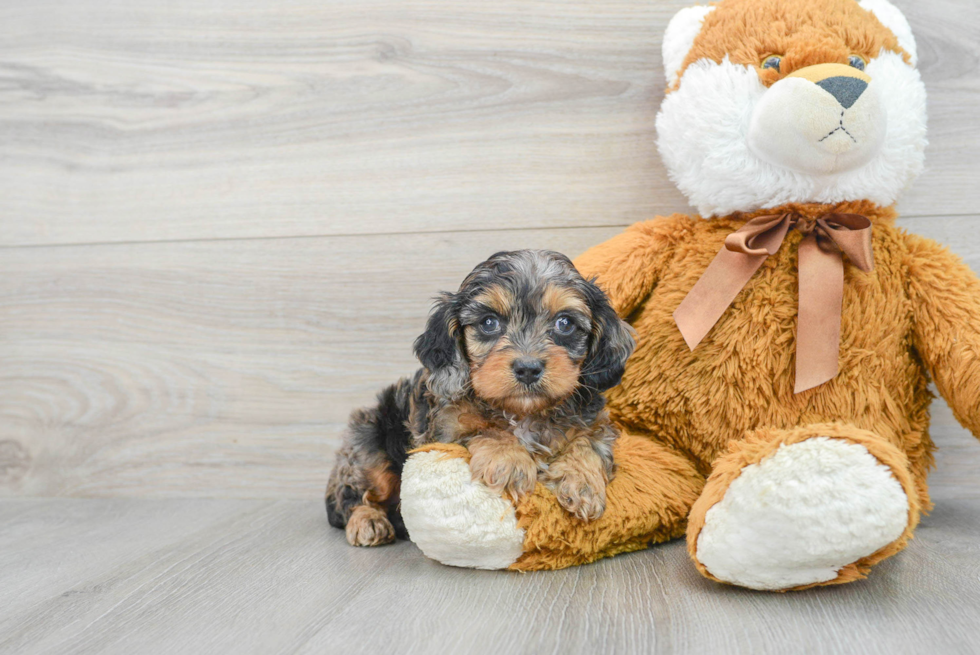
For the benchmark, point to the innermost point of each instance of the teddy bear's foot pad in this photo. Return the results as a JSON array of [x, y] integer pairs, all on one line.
[[800, 515], [454, 519]]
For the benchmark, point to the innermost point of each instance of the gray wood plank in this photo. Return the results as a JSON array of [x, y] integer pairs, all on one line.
[[249, 576], [225, 368], [184, 120], [216, 368]]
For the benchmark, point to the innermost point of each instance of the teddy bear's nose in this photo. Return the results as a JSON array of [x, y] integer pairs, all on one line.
[[846, 89], [845, 83]]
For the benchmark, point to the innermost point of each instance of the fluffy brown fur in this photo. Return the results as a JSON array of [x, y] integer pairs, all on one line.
[[514, 366], [693, 422], [731, 403], [647, 503], [801, 32]]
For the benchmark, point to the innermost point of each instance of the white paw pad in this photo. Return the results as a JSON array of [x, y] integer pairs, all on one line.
[[455, 520], [801, 514]]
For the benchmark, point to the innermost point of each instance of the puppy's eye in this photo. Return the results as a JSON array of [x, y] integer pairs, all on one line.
[[857, 62], [489, 325], [773, 62], [563, 326]]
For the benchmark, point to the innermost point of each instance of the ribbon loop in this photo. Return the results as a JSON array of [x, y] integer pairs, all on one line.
[[826, 239]]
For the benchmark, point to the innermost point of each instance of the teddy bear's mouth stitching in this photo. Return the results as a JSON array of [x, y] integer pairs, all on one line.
[[839, 128]]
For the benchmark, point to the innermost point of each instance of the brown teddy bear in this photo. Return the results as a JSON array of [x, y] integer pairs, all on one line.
[[777, 406]]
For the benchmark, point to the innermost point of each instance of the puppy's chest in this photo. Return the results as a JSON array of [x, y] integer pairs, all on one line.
[[542, 438]]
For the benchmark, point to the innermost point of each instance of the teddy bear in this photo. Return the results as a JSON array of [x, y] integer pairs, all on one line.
[[776, 409]]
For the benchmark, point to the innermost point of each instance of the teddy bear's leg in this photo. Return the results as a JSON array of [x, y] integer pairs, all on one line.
[[790, 509], [459, 521]]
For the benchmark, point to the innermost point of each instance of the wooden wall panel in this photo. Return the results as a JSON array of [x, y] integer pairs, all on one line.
[[222, 368], [220, 226], [189, 120]]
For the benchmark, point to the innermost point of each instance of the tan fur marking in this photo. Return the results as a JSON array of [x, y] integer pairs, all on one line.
[[493, 378], [503, 464], [384, 484], [472, 421], [802, 32], [560, 374], [476, 349], [496, 298], [556, 299], [369, 526], [577, 477]]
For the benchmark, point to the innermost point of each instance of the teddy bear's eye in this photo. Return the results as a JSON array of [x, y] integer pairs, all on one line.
[[857, 62], [772, 61]]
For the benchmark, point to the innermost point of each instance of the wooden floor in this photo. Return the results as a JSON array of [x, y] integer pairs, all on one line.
[[221, 224], [269, 576]]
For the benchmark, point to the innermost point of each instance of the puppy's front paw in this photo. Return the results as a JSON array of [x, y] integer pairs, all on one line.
[[579, 487], [580, 498], [505, 469], [369, 526]]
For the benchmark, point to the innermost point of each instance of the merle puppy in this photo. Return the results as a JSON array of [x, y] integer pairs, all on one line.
[[514, 366]]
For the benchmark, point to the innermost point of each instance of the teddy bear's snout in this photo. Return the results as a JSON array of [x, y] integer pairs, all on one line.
[[821, 119]]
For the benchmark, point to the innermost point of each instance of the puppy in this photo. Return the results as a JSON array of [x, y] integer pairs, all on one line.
[[514, 366]]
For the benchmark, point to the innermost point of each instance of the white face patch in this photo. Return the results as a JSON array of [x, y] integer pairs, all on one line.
[[704, 129]]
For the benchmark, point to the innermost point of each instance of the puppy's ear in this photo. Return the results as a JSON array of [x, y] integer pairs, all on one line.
[[611, 343], [440, 350]]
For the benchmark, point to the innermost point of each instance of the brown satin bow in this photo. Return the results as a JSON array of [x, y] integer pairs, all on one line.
[[821, 283]]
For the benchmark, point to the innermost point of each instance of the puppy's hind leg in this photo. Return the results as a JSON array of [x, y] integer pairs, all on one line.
[[354, 503], [363, 491]]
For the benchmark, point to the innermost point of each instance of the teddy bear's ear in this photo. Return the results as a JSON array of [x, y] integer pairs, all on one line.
[[892, 18], [679, 37]]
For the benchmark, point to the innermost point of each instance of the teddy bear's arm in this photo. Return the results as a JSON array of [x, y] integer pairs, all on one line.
[[946, 303], [628, 266]]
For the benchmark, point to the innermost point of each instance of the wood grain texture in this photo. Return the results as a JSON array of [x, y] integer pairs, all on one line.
[[190, 120], [227, 368], [222, 368], [254, 576], [215, 341]]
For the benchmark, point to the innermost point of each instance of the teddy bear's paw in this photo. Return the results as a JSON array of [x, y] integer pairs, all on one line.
[[802, 514], [369, 526], [455, 519]]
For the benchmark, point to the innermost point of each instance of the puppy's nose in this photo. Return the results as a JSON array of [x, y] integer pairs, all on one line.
[[846, 89], [528, 370]]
